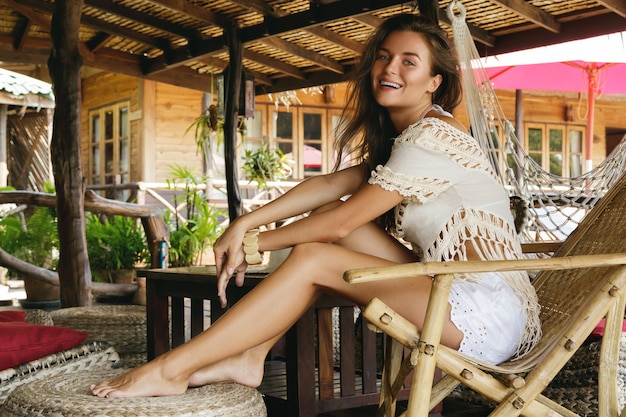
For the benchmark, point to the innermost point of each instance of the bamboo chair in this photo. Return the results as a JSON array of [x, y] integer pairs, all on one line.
[[582, 283]]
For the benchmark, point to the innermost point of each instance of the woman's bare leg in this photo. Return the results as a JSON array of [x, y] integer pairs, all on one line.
[[281, 298], [248, 367]]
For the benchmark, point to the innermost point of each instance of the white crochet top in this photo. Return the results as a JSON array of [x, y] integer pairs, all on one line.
[[452, 198]]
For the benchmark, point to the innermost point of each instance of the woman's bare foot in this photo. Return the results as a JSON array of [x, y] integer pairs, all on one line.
[[149, 380], [243, 369]]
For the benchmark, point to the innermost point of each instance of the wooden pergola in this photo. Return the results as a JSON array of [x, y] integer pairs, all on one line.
[[284, 44]]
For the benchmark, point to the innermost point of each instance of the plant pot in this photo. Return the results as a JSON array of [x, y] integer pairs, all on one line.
[[140, 295], [40, 294], [37, 290], [119, 276]]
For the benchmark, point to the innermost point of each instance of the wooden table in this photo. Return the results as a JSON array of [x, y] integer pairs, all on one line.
[[313, 384]]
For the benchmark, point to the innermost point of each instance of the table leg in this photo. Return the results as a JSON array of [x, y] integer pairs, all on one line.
[[301, 401], [157, 321]]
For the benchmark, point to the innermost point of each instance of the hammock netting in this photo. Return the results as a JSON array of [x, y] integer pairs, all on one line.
[[554, 205]]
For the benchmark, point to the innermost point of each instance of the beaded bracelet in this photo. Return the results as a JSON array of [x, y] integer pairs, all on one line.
[[251, 247]]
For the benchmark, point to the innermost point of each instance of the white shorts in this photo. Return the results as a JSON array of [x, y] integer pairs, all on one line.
[[490, 316]]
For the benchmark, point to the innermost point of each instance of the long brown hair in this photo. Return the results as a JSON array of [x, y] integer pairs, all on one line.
[[366, 129]]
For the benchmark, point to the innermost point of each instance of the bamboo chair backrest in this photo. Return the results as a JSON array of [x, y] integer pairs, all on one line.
[[562, 293]]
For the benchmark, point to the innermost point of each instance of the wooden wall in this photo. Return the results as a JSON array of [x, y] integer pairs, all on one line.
[[161, 113], [550, 107], [102, 89]]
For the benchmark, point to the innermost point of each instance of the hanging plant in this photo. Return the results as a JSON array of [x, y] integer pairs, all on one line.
[[264, 164]]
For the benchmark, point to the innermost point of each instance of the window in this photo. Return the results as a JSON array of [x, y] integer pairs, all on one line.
[[253, 138], [313, 144], [109, 140], [283, 130], [557, 148]]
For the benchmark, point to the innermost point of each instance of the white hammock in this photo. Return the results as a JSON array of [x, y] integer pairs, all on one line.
[[556, 204]]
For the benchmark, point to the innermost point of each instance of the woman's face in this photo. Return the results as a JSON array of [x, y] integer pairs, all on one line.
[[401, 74]]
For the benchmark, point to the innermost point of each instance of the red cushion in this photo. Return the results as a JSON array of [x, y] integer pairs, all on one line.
[[599, 330], [12, 315], [23, 342]]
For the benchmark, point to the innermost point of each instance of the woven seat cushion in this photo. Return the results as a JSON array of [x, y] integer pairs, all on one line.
[[123, 326], [86, 357], [60, 396]]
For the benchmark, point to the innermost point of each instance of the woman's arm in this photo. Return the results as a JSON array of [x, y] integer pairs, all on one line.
[[306, 196], [367, 204]]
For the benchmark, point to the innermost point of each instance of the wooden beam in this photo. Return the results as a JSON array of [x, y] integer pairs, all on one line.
[[315, 78], [259, 6], [259, 78], [184, 55], [478, 34], [270, 29], [273, 63], [145, 19], [97, 41], [123, 32], [368, 20], [320, 31], [196, 12], [531, 13], [31, 13], [26, 100], [337, 39], [28, 7], [318, 14], [616, 6], [573, 29], [21, 35], [307, 54]]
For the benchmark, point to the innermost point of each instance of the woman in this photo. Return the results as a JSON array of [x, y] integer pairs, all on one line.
[[445, 201]]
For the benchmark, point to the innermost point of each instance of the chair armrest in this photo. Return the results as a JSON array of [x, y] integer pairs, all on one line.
[[459, 267]]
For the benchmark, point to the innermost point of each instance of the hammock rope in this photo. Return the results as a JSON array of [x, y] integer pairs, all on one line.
[[555, 204]]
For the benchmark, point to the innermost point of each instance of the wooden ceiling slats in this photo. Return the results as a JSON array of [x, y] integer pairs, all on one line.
[[287, 43]]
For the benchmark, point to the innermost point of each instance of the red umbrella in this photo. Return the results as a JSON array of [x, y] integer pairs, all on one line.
[[311, 157], [594, 65]]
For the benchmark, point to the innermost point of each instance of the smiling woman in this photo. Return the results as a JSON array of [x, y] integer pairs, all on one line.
[[443, 198]]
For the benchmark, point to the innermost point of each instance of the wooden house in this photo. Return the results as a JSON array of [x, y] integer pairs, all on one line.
[[136, 130]]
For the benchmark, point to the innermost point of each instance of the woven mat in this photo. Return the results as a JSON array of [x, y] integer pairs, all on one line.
[[124, 326], [86, 357], [61, 396]]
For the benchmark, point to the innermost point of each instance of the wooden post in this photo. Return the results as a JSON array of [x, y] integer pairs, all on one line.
[[231, 105], [64, 66], [4, 157]]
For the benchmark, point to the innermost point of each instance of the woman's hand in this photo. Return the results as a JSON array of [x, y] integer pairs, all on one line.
[[229, 260]]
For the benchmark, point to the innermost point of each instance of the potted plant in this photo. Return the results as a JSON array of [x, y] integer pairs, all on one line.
[[33, 238], [115, 246], [194, 223], [264, 164]]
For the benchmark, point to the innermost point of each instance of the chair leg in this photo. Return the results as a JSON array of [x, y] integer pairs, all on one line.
[[395, 372], [426, 352], [609, 358]]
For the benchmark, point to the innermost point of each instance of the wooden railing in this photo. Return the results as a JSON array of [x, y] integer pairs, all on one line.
[[161, 194]]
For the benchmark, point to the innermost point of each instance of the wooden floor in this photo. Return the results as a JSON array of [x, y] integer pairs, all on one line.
[[450, 409], [274, 384]]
